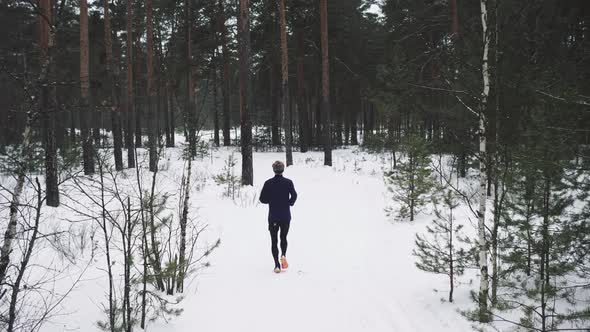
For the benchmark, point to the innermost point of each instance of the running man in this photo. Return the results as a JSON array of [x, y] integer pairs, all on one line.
[[279, 193]]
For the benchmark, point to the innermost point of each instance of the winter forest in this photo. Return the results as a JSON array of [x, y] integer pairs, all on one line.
[[440, 150]]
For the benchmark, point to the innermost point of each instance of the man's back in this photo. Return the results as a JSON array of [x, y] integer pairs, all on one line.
[[279, 192]]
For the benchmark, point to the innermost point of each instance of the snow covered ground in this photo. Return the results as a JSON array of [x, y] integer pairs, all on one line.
[[351, 267]]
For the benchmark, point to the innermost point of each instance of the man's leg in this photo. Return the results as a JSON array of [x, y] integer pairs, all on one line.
[[284, 232], [274, 230]]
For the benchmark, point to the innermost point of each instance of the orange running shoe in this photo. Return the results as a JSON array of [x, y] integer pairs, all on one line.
[[284, 263]]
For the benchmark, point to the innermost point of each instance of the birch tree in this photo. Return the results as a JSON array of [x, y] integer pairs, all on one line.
[[481, 226]]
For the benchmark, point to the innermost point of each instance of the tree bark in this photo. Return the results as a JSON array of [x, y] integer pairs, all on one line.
[[130, 102], [225, 77], [183, 222], [451, 260], [245, 92], [48, 104], [138, 111], [190, 120], [169, 116], [151, 88], [12, 311], [274, 109], [10, 232], [285, 104], [85, 113], [215, 104], [498, 201], [482, 242], [326, 83], [128, 238], [114, 97], [301, 105], [155, 251], [356, 106], [172, 105], [106, 237]]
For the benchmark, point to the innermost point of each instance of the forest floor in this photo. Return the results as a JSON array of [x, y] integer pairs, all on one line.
[[351, 266]]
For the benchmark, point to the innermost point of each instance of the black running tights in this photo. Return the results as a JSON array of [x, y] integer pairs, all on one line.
[[275, 228]]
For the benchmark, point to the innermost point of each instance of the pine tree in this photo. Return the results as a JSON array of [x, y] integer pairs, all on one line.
[[245, 92], [225, 76], [543, 235], [130, 102], [151, 88], [411, 182], [286, 110], [437, 251], [48, 103], [327, 122], [87, 144], [112, 81]]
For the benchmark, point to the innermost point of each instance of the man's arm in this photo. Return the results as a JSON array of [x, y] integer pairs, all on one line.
[[264, 195], [293, 194]]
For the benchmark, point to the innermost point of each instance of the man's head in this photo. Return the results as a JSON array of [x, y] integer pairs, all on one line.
[[278, 167]]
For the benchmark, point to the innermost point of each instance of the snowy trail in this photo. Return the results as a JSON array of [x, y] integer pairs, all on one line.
[[350, 268]]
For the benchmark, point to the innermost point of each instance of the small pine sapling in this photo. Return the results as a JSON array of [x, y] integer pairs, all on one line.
[[229, 178], [412, 181], [437, 251]]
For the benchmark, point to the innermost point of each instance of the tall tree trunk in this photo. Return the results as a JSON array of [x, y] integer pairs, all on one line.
[[25, 158], [114, 98], [106, 237], [301, 104], [190, 120], [326, 83], [483, 243], [144, 243], [139, 103], [183, 222], [285, 104], [319, 119], [347, 111], [130, 102], [85, 113], [225, 77], [164, 111], [354, 111], [215, 103], [48, 104], [498, 197], [172, 105], [169, 116], [151, 88], [96, 117], [128, 238], [245, 92], [274, 109], [155, 251], [12, 311]]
